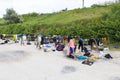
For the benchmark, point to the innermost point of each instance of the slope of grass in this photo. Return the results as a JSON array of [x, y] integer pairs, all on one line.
[[66, 17], [63, 18]]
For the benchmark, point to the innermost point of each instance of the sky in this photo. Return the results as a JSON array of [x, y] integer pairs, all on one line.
[[44, 6]]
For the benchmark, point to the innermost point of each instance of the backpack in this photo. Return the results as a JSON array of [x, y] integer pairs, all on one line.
[[87, 53], [89, 61], [108, 56], [80, 41], [60, 48]]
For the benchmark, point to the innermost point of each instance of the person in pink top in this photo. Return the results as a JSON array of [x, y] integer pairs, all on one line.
[[71, 47]]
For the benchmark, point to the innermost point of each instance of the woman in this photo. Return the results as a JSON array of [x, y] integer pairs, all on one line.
[[71, 48]]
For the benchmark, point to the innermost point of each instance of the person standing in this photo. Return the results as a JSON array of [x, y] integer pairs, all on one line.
[[80, 44], [39, 41], [24, 39], [1, 36], [69, 37]]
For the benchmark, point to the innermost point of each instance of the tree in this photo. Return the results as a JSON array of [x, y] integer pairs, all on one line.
[[12, 17]]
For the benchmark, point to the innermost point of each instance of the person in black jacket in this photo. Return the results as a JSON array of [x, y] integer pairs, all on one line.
[[69, 37], [80, 42], [91, 42]]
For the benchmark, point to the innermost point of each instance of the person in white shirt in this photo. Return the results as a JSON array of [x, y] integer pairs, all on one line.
[[24, 39]]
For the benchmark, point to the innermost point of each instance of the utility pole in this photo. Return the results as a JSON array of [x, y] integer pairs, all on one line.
[[82, 3]]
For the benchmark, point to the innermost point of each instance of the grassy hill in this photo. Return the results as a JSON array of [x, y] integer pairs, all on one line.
[[34, 22], [65, 17]]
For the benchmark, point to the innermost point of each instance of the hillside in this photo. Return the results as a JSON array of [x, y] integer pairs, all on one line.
[[96, 21], [65, 17]]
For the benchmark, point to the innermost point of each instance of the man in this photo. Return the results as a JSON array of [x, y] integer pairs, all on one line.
[[39, 41], [80, 46]]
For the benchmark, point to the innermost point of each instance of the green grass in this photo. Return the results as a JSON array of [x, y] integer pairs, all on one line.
[[111, 46], [1, 21], [67, 16], [62, 18]]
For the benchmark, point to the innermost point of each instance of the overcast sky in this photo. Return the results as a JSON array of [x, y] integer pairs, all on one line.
[[44, 6]]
